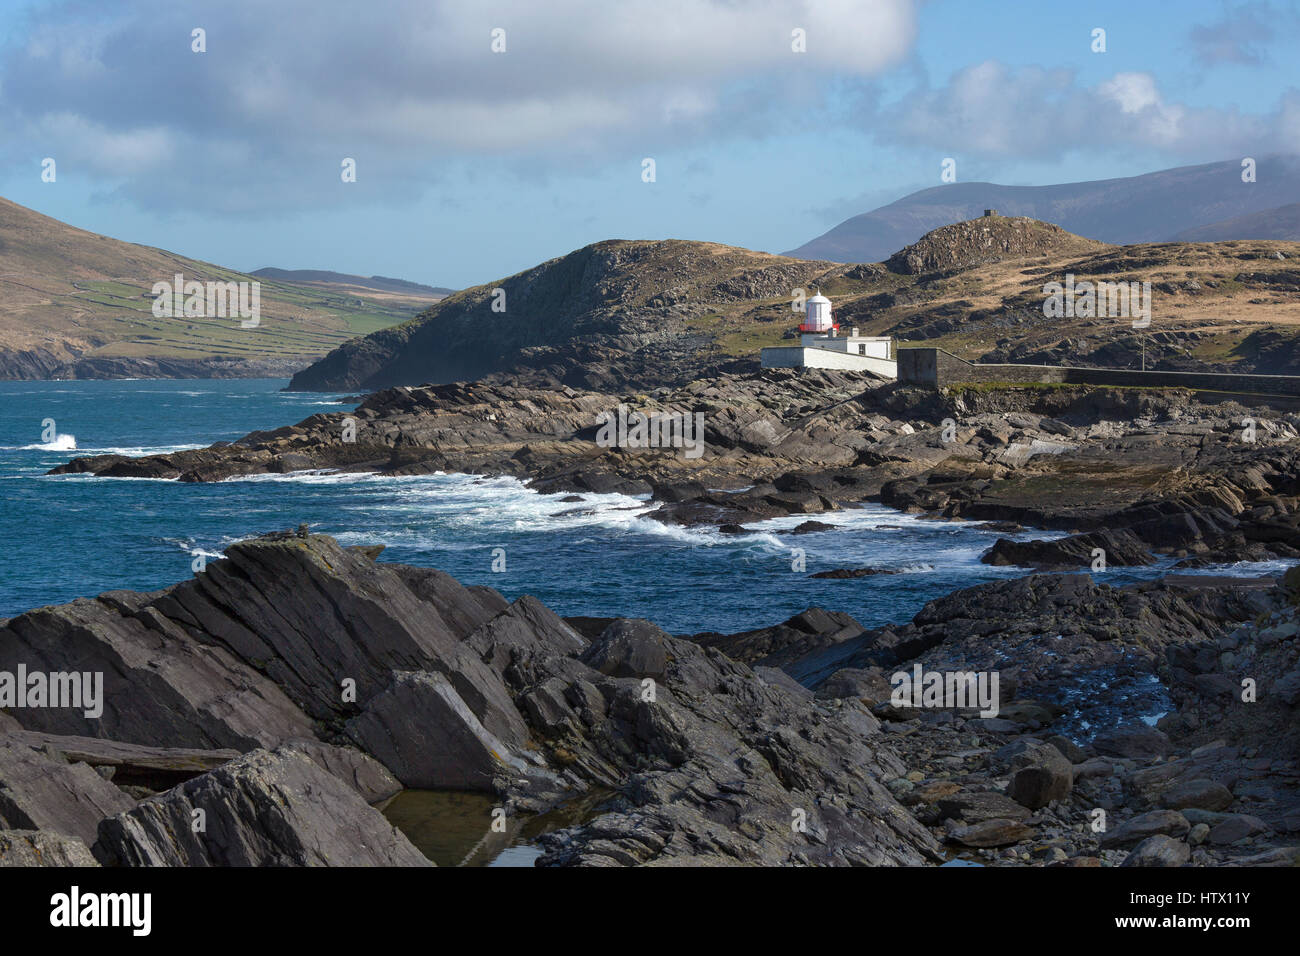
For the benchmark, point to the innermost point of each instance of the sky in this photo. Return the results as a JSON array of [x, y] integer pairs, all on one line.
[[491, 135]]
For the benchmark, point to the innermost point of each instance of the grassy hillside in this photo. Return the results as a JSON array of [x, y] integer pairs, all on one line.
[[647, 313], [73, 302]]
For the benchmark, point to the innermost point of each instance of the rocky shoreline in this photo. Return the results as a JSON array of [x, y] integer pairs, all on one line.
[[1145, 724], [1130, 471], [285, 692]]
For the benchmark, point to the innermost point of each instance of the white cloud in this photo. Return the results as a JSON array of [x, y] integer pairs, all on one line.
[[1033, 113], [404, 85]]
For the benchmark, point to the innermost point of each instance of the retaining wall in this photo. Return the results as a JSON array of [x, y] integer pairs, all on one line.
[[931, 366]]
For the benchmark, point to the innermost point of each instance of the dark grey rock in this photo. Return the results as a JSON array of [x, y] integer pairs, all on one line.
[[629, 648], [268, 808], [41, 793], [1159, 850], [421, 729]]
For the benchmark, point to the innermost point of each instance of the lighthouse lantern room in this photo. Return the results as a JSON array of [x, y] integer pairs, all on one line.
[[818, 316]]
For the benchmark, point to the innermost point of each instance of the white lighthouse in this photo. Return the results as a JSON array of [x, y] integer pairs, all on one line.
[[818, 319], [822, 346]]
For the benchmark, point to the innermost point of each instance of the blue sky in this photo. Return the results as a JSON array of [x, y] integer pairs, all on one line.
[[472, 164]]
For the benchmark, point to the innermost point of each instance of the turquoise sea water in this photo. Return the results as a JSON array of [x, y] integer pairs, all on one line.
[[73, 536]]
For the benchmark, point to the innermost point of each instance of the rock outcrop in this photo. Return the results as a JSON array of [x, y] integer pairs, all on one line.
[[268, 808], [439, 686]]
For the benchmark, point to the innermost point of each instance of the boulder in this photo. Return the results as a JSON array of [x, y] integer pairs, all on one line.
[[977, 806], [421, 729], [268, 808], [1159, 850], [1040, 773], [39, 792], [1199, 794], [629, 648], [1134, 740], [1237, 826], [996, 832]]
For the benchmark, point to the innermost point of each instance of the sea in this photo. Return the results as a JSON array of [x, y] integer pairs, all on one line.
[[75, 536]]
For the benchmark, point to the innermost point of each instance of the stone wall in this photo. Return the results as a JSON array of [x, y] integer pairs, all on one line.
[[931, 366]]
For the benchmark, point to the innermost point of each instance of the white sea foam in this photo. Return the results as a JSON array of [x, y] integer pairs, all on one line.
[[60, 443], [139, 451]]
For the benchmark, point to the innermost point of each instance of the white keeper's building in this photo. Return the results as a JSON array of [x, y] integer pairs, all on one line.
[[823, 346]]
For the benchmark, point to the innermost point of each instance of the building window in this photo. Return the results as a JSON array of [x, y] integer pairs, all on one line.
[[862, 350]]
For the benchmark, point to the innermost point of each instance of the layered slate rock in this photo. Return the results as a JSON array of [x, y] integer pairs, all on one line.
[[268, 808], [373, 781], [695, 757], [727, 768], [162, 685], [424, 732], [38, 792], [133, 759]]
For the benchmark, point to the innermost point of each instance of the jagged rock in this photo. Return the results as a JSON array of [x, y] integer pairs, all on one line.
[[422, 731], [629, 648], [1119, 549], [38, 792], [42, 848], [268, 808]]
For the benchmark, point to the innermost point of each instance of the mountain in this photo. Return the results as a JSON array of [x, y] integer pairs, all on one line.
[[75, 304], [1280, 223], [624, 315], [343, 280], [1149, 208]]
